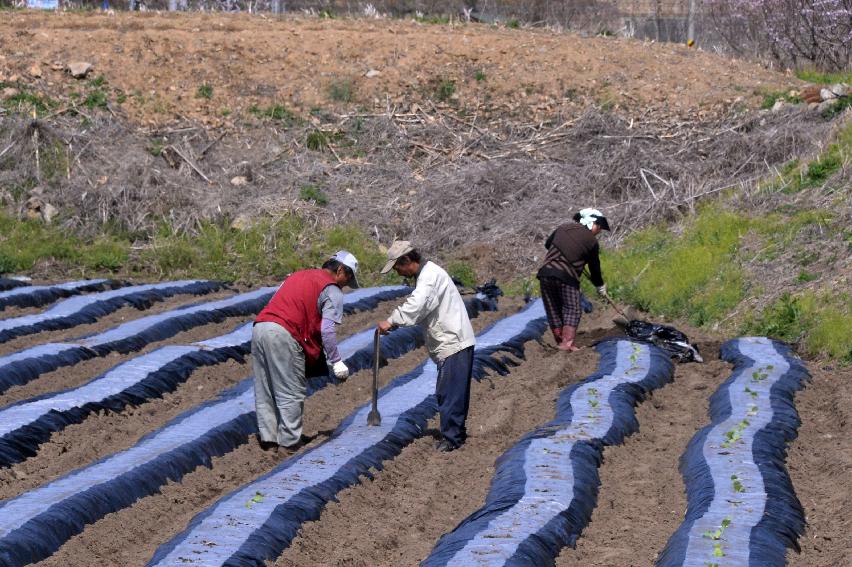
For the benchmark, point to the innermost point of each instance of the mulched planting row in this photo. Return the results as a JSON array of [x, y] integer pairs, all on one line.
[[152, 521], [106, 432], [397, 518], [119, 316]]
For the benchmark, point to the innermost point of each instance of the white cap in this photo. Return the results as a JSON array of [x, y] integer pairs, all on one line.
[[350, 261]]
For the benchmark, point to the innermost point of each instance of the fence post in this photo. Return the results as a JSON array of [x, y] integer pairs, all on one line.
[[690, 25]]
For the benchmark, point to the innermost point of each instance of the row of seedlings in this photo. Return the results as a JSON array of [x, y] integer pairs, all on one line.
[[85, 309], [36, 523], [38, 295], [28, 364], [24, 426], [545, 487], [258, 521], [742, 509]]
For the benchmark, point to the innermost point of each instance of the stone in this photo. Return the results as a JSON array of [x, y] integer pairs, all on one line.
[[37, 208], [826, 94], [79, 69], [779, 104], [239, 181], [9, 92], [839, 90], [242, 223], [48, 213], [373, 73], [826, 104], [35, 71]]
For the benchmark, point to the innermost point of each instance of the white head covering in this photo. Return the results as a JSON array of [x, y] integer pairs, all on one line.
[[588, 217]]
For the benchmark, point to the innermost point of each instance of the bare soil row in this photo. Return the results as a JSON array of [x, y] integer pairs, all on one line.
[[131, 536], [396, 518]]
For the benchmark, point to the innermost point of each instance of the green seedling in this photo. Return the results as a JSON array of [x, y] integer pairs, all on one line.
[[738, 486], [593, 403], [593, 391], [719, 532], [735, 434], [750, 392], [256, 499], [717, 550], [752, 411]]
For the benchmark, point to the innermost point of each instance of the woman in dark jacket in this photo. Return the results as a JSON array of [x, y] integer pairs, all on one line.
[[570, 248]]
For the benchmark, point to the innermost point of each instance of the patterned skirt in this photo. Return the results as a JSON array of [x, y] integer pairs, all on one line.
[[561, 303]]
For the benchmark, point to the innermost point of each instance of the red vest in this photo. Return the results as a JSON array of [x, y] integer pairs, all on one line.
[[294, 307]]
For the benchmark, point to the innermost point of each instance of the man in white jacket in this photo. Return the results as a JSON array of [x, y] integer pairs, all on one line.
[[437, 304]]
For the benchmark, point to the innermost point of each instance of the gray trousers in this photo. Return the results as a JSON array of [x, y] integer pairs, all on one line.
[[279, 383]]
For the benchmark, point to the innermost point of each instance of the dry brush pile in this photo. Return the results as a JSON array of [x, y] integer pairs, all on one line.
[[448, 181]]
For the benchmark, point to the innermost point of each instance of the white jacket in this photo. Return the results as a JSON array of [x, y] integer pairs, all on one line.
[[437, 304]]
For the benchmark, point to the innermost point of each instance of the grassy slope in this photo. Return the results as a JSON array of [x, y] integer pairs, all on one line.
[[708, 274]]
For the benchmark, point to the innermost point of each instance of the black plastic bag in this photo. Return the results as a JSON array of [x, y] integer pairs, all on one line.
[[669, 339]]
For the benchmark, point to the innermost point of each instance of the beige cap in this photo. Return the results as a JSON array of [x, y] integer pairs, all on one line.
[[398, 249]]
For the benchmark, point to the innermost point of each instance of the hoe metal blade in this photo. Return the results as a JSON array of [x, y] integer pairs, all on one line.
[[374, 418]]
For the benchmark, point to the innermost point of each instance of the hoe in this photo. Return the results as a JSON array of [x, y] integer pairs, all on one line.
[[374, 418]]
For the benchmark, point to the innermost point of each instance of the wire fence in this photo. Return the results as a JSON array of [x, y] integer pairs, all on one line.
[[660, 20]]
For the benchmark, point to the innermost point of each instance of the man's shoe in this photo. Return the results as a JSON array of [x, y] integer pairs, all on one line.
[[445, 446], [267, 445]]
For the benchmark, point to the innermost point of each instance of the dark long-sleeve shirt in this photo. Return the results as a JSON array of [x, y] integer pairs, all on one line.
[[570, 248]]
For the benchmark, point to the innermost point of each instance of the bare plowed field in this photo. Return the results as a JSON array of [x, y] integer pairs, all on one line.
[[396, 518], [160, 60]]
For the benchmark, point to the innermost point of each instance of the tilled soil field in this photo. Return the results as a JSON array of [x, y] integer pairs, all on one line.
[[396, 518]]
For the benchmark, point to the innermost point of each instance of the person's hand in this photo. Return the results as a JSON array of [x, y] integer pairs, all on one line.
[[601, 290], [341, 371], [384, 327]]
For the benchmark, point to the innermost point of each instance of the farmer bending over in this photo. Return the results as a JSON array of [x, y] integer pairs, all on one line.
[[290, 334], [437, 304], [570, 248]]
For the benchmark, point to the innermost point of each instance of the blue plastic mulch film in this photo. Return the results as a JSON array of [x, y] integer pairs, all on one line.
[[36, 296], [742, 509], [36, 523], [26, 365], [257, 522], [12, 283], [27, 424], [85, 309], [545, 487]]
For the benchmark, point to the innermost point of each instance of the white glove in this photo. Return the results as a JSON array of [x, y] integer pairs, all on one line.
[[341, 372], [601, 290]]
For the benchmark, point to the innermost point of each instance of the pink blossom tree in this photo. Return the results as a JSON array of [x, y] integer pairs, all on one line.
[[794, 32]]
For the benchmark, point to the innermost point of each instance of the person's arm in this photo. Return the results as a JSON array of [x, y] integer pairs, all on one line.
[[419, 304], [549, 240], [594, 264], [330, 304], [329, 341]]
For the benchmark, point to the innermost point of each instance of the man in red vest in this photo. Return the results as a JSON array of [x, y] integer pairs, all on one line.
[[293, 331]]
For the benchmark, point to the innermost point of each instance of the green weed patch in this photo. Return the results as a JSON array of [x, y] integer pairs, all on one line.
[[820, 322], [24, 243], [263, 251], [695, 275]]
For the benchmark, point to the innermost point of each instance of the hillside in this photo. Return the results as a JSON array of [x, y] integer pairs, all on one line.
[[157, 62], [241, 147]]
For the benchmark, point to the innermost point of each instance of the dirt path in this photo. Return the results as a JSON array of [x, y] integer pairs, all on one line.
[[131, 536], [397, 518], [820, 464], [641, 500]]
